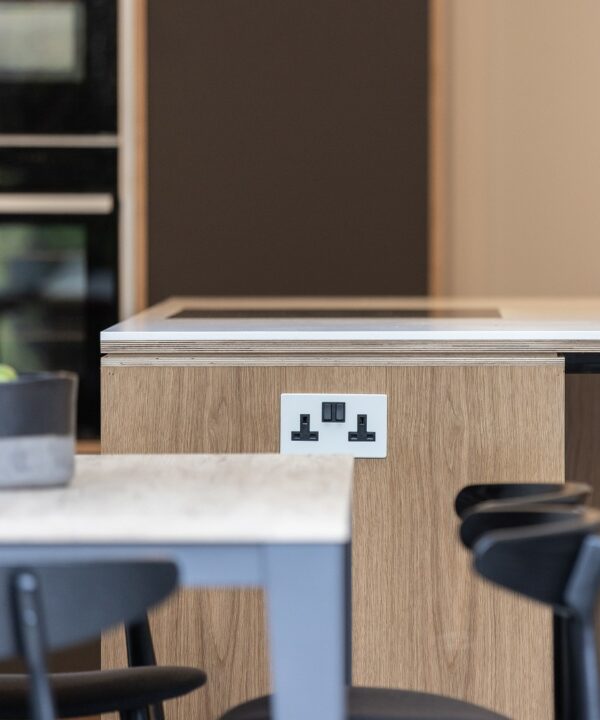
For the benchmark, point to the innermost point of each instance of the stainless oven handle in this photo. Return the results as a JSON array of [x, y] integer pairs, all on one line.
[[56, 203]]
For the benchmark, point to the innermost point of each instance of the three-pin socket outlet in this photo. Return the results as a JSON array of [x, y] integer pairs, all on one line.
[[328, 424], [305, 434], [361, 434]]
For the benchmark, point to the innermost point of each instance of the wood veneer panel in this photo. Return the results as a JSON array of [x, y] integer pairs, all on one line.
[[418, 611], [420, 619]]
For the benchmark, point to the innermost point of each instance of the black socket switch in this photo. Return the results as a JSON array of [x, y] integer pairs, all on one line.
[[361, 434], [333, 412], [305, 433]]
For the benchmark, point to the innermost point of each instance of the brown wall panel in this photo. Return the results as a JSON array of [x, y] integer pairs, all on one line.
[[287, 147]]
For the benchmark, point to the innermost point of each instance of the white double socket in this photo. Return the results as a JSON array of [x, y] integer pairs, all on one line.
[[333, 437]]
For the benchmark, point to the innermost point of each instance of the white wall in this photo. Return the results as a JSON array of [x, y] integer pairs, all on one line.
[[522, 127]]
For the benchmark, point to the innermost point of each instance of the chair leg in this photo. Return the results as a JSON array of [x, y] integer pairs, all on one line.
[[30, 628], [140, 648], [139, 714], [348, 629], [140, 653], [562, 684]]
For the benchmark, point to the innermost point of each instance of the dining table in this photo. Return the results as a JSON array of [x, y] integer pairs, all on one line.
[[281, 523]]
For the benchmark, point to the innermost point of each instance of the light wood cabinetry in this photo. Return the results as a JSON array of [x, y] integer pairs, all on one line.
[[420, 618]]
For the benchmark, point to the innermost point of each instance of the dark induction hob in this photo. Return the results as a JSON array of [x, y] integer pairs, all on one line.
[[191, 313]]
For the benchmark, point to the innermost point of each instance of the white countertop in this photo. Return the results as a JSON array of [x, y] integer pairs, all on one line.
[[561, 320], [187, 499]]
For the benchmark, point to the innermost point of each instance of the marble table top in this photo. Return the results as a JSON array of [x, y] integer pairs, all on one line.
[[187, 499]]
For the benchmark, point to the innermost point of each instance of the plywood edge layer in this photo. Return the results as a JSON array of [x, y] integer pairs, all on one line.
[[193, 347], [324, 361]]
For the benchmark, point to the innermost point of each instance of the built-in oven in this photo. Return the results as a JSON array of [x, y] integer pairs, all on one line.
[[58, 66], [58, 264]]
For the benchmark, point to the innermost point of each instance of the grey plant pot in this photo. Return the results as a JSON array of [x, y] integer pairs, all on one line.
[[38, 414]]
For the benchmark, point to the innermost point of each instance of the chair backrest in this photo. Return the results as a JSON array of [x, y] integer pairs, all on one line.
[[488, 506], [474, 497], [536, 560], [49, 606], [79, 601], [490, 517], [556, 562]]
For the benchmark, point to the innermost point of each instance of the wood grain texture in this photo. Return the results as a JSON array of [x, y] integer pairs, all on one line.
[[582, 431], [420, 619]]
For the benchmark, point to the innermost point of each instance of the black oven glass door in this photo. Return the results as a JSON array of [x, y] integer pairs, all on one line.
[[58, 290], [58, 66]]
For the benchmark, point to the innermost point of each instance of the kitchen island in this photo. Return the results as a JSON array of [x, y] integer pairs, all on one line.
[[475, 393]]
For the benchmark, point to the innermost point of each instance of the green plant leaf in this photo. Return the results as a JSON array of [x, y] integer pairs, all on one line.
[[7, 373]]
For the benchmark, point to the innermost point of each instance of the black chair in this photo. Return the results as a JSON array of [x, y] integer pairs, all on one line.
[[488, 519], [51, 606], [387, 704], [497, 515], [475, 497], [475, 503], [556, 562]]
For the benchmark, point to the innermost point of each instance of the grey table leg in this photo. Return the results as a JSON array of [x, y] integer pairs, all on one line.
[[305, 601]]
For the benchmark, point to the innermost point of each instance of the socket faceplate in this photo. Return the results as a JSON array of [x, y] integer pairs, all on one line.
[[333, 437]]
